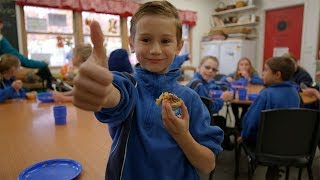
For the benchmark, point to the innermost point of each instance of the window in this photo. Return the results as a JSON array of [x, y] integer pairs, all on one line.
[[132, 56], [49, 34], [110, 25], [185, 37]]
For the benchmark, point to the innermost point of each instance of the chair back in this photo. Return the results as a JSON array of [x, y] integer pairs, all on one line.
[[288, 134]]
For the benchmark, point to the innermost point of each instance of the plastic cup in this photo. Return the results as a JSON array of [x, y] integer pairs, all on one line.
[[242, 92], [60, 115]]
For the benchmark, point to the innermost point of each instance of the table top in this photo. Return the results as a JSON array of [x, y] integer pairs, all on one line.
[[257, 88], [28, 135]]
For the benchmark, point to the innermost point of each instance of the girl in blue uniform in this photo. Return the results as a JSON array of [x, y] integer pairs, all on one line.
[[208, 69], [9, 87], [160, 145], [244, 70]]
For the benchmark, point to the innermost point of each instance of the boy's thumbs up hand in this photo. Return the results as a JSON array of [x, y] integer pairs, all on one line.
[[99, 52], [93, 88]]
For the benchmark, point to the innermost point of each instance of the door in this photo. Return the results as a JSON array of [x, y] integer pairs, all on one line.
[[283, 31]]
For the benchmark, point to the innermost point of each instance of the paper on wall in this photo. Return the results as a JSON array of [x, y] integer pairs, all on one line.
[[280, 51]]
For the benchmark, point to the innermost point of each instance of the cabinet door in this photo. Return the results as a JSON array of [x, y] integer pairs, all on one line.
[[210, 49]]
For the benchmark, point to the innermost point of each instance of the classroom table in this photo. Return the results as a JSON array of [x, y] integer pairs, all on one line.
[[28, 135], [257, 88]]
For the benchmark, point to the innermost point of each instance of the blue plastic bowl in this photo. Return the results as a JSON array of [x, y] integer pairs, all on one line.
[[45, 97], [252, 97]]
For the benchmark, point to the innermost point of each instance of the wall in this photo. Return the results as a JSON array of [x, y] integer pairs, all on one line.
[[310, 36], [310, 33]]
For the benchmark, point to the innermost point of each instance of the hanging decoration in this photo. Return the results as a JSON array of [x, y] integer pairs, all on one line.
[[112, 26], [123, 8]]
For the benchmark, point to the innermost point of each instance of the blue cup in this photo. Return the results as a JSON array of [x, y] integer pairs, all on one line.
[[60, 115], [242, 92]]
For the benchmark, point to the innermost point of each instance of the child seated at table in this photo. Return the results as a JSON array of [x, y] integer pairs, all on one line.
[[279, 93], [244, 70], [10, 87], [80, 54], [300, 75], [208, 69]]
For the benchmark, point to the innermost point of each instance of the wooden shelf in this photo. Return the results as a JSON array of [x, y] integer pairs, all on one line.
[[236, 24], [235, 10]]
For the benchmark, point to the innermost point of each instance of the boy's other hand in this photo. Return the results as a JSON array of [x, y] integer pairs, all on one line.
[[177, 127], [93, 84]]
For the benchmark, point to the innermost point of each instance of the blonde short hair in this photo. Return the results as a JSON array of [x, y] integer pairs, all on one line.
[[163, 8], [83, 51], [7, 61]]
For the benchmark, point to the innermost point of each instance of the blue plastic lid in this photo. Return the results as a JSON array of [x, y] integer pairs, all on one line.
[[62, 169]]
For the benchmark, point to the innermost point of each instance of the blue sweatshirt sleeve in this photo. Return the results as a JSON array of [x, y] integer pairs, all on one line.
[[178, 61], [21, 94], [251, 120], [255, 79], [217, 104], [6, 48], [200, 129], [6, 93], [115, 116]]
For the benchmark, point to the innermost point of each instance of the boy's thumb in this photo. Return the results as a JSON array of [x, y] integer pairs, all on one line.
[[97, 38]]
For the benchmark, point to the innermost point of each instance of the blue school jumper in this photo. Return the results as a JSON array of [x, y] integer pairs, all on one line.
[[275, 96], [152, 153], [8, 92]]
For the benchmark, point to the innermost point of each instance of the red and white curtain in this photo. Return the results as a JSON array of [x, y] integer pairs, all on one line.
[[123, 8]]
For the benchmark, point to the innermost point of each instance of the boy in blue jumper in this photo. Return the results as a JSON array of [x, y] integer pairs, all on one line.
[[208, 68], [9, 87], [160, 145], [279, 93]]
